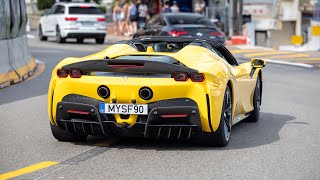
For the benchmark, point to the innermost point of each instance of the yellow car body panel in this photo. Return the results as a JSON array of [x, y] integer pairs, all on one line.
[[218, 73]]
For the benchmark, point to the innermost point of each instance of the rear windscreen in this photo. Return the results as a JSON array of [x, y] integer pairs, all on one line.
[[84, 10], [176, 20]]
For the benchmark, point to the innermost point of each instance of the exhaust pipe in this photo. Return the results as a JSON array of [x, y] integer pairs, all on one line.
[[145, 93], [103, 91]]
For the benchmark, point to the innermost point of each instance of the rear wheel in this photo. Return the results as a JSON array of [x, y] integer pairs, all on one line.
[[99, 40], [58, 36], [63, 135], [255, 114], [221, 137], [41, 36], [79, 40]]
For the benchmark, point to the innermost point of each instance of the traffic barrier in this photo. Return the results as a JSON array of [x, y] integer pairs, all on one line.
[[238, 40], [7, 73], [16, 62]]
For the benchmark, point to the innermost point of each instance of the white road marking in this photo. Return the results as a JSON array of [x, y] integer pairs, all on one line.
[[30, 36], [289, 63]]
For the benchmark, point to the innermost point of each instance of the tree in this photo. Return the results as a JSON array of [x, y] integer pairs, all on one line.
[[45, 4]]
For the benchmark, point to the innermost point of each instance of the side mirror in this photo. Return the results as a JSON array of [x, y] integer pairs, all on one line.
[[257, 63]]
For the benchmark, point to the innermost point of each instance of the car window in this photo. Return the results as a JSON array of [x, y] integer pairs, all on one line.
[[225, 54], [158, 21], [52, 10], [152, 21], [84, 10], [59, 10], [199, 20]]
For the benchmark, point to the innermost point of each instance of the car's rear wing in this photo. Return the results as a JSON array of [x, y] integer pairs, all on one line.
[[128, 66]]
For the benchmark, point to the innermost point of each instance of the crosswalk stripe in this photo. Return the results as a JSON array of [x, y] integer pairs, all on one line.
[[262, 54], [239, 51], [287, 56]]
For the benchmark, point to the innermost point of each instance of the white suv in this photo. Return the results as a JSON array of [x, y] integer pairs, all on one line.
[[73, 20]]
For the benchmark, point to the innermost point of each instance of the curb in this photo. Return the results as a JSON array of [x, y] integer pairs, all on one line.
[[14, 78]]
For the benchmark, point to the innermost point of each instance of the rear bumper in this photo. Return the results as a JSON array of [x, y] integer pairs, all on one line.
[[85, 35], [149, 126]]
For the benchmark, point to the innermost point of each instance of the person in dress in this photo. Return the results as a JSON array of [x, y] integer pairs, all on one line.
[[116, 16]]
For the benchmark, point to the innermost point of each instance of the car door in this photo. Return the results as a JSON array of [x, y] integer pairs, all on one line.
[[48, 21], [244, 83]]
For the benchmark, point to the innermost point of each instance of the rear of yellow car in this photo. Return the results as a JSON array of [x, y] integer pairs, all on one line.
[[130, 97]]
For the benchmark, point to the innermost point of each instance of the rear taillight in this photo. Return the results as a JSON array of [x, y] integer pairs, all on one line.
[[71, 18], [216, 33], [101, 19], [84, 6], [180, 76], [75, 73], [183, 76], [197, 77], [177, 33], [62, 73]]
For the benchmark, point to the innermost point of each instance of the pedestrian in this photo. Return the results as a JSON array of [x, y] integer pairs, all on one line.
[[124, 17], [133, 17], [143, 14], [199, 7], [175, 8], [166, 7], [116, 16]]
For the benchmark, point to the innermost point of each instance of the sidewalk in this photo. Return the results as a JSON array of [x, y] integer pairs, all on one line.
[[286, 57]]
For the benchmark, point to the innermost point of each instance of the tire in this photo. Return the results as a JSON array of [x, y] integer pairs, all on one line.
[[41, 36], [99, 40], [79, 40], [255, 114], [221, 137], [58, 36], [62, 135]]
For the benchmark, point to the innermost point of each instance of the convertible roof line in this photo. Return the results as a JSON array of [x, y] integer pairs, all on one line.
[[130, 66]]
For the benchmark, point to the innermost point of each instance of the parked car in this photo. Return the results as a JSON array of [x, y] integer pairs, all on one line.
[[73, 20], [182, 24]]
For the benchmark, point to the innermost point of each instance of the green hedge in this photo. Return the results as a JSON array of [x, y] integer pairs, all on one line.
[[45, 4]]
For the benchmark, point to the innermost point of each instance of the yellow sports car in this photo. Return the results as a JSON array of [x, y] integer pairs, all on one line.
[[156, 87]]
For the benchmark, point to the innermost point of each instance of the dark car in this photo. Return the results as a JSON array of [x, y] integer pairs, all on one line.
[[181, 24]]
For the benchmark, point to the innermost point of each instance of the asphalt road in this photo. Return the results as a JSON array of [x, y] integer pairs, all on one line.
[[284, 144]]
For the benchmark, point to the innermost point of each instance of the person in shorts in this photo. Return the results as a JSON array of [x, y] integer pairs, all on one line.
[[143, 13], [133, 11]]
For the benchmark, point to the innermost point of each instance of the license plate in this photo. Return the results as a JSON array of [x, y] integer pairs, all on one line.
[[108, 108], [87, 23]]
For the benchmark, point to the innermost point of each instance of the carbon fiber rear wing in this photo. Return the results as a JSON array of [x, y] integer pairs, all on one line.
[[129, 66]]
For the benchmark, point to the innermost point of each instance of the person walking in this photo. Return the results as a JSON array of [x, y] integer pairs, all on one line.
[[116, 16], [175, 8], [133, 17], [199, 7], [143, 13], [124, 17], [166, 7]]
